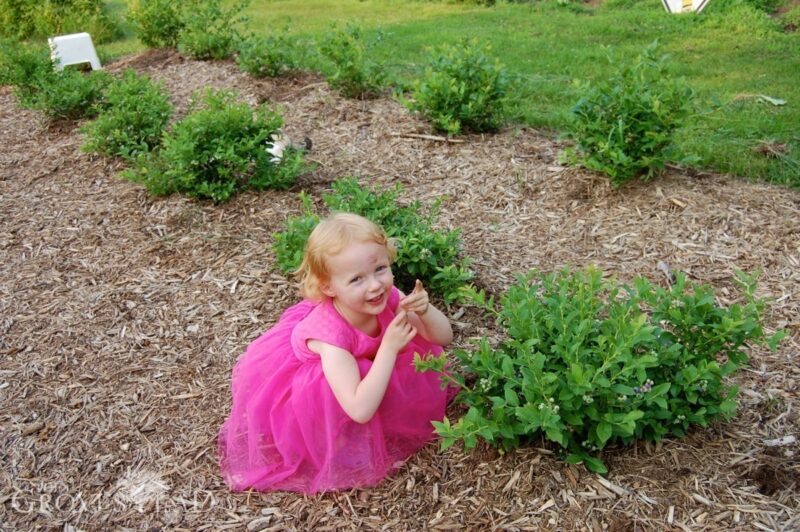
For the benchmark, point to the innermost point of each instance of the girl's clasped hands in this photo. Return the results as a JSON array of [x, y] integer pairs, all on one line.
[[401, 330]]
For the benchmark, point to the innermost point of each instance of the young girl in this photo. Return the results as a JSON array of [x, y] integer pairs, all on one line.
[[328, 398]]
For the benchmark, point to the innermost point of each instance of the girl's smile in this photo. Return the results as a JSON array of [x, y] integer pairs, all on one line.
[[377, 300]]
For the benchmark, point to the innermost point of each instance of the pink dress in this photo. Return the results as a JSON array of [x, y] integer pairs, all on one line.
[[287, 431]]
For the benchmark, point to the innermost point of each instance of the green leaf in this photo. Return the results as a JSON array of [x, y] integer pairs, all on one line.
[[621, 389], [592, 464], [604, 432], [443, 426], [507, 365], [557, 435], [487, 433], [775, 339], [511, 396], [574, 459], [659, 390], [633, 415], [727, 407], [576, 374], [470, 441], [595, 465]]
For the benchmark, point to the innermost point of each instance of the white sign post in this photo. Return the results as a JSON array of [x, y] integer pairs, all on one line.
[[684, 6]]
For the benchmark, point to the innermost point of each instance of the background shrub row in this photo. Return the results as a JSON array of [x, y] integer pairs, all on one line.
[[623, 126]]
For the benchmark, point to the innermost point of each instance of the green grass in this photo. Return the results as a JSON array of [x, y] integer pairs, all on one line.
[[128, 44], [728, 54]]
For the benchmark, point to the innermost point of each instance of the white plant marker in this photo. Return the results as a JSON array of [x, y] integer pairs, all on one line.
[[73, 49], [684, 6]]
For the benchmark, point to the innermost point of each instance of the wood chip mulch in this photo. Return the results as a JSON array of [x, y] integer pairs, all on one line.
[[121, 316]]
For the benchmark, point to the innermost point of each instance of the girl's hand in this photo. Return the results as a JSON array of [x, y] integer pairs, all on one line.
[[429, 321], [398, 333], [417, 301]]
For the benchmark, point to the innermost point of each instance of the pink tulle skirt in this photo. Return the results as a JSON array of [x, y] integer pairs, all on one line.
[[286, 431]]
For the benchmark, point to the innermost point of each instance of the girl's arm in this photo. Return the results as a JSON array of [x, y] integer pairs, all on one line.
[[431, 323], [358, 397]]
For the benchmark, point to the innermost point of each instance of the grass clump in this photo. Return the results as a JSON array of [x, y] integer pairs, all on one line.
[[423, 253], [588, 362], [352, 72], [791, 19], [766, 6], [624, 126], [132, 119], [217, 150], [463, 88]]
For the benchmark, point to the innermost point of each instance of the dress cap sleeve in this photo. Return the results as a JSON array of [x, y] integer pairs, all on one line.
[[323, 324]]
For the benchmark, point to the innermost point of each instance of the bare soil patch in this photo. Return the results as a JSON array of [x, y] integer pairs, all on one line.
[[121, 316]]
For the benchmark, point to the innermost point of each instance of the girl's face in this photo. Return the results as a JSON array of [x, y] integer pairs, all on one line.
[[360, 280]]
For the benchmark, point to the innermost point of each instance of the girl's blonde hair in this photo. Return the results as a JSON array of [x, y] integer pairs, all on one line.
[[329, 238]]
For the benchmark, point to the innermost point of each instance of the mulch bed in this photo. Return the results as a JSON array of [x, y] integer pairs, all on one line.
[[121, 316]]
